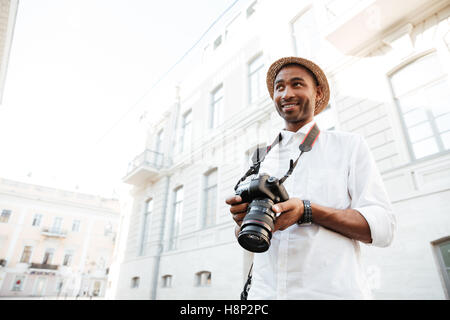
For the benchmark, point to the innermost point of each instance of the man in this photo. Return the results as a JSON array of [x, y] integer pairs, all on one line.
[[338, 183]]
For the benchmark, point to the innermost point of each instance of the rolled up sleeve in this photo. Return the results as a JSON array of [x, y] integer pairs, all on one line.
[[369, 196]]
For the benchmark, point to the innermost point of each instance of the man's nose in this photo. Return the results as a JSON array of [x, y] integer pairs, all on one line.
[[288, 92]]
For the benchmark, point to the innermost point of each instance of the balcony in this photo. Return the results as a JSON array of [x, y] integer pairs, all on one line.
[[354, 24], [53, 232], [43, 266], [145, 167]]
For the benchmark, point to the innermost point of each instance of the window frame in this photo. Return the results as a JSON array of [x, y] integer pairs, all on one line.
[[29, 253], [166, 281], [216, 107], [146, 222], [37, 220], [429, 117], [135, 281], [206, 192], [442, 268], [203, 279], [177, 216], [259, 73], [5, 215]]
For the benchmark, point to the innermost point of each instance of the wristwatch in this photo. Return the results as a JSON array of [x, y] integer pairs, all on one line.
[[306, 219]]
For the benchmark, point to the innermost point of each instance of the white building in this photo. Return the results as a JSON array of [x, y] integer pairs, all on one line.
[[388, 66], [8, 13], [54, 242]]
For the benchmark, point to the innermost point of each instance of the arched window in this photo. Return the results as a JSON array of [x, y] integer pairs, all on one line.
[[166, 281], [203, 279], [422, 92]]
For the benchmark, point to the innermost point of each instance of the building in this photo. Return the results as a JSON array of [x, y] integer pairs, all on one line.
[[388, 64], [8, 13], [54, 242]]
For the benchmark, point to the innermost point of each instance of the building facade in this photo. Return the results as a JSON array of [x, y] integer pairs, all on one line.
[[388, 65], [54, 242], [8, 13]]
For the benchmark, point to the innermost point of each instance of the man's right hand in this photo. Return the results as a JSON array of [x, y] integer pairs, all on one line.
[[238, 208]]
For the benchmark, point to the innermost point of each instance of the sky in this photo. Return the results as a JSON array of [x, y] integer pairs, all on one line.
[[80, 74]]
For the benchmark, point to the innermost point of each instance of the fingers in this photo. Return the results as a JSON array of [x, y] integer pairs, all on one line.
[[237, 208], [238, 218], [233, 200], [290, 212], [239, 211]]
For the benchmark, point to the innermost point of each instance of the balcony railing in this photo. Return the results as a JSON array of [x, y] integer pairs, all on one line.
[[145, 166], [44, 266], [148, 158], [53, 232]]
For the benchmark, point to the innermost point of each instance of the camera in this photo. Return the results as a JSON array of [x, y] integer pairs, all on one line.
[[262, 192]]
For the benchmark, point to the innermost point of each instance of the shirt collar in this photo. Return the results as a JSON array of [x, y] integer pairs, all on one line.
[[301, 133]]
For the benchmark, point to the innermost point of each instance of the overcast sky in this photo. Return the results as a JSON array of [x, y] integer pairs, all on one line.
[[76, 67]]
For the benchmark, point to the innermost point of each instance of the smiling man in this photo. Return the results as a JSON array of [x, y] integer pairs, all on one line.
[[337, 198]]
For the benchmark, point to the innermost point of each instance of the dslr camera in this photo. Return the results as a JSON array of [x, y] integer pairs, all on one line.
[[262, 192]]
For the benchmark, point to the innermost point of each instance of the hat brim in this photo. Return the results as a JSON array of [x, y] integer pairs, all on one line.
[[311, 66]]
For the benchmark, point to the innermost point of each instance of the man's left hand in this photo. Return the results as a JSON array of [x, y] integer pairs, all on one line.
[[289, 211]]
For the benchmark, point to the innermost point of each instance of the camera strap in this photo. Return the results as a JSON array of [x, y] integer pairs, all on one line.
[[260, 154], [258, 157], [305, 146]]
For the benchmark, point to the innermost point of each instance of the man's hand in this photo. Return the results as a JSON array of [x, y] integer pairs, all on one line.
[[238, 208], [289, 211]]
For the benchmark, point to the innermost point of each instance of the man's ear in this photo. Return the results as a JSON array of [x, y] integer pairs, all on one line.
[[319, 93]]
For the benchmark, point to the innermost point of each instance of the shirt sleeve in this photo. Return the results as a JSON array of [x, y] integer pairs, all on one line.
[[369, 196]]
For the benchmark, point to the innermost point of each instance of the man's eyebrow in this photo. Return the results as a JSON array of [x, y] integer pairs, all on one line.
[[292, 79]]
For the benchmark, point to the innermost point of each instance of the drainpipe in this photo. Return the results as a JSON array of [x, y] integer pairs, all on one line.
[[161, 241], [169, 163]]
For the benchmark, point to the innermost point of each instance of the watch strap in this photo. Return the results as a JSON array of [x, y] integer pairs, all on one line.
[[306, 219]]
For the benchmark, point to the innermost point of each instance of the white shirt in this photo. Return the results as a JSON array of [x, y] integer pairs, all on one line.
[[312, 262]]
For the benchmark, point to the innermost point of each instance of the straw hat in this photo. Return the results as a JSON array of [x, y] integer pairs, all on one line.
[[311, 66]]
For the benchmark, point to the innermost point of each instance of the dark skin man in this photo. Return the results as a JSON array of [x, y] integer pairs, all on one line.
[[295, 96]]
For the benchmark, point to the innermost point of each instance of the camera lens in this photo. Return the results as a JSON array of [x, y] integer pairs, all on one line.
[[256, 229]]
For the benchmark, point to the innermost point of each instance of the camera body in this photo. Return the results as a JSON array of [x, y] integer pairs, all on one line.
[[261, 192]]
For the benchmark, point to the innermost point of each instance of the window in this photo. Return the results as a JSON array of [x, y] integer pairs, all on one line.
[[68, 258], [210, 198], [37, 220], [4, 217], [166, 281], [256, 78], [57, 225], [76, 226], [203, 279], [185, 133], [146, 225], [158, 141], [48, 256], [26, 254], [216, 107], [442, 249], [18, 283], [108, 229], [217, 42], [177, 215], [421, 90], [251, 9], [157, 158], [135, 282], [304, 31]]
